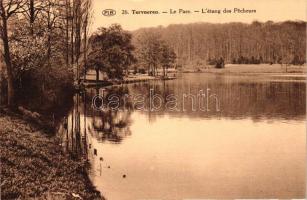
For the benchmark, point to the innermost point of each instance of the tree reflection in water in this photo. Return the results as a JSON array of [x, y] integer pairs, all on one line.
[[105, 125]]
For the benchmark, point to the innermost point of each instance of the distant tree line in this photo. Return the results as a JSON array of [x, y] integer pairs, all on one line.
[[240, 43]]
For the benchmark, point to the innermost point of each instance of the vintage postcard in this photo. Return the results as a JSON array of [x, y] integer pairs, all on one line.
[[153, 99]]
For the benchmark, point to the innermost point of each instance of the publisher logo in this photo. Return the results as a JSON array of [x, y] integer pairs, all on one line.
[[109, 12]]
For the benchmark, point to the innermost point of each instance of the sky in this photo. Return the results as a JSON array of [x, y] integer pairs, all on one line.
[[275, 10]]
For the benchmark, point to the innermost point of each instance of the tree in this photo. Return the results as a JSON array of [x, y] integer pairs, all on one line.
[[32, 9], [167, 58], [111, 51], [152, 51], [7, 10], [148, 49], [76, 17]]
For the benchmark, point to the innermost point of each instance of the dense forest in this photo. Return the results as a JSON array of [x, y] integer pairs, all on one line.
[[202, 43]]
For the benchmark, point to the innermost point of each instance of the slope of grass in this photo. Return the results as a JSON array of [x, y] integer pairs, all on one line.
[[34, 167]]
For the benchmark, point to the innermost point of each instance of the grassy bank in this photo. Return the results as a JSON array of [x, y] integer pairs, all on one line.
[[34, 167]]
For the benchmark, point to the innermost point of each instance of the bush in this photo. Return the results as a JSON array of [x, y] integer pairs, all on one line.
[[297, 60], [41, 91], [142, 71], [246, 60], [41, 79]]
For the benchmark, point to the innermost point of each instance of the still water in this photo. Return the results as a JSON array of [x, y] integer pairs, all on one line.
[[251, 146]]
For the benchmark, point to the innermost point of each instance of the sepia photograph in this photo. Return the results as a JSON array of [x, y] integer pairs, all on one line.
[[152, 100]]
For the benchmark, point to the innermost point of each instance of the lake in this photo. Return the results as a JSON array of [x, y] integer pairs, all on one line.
[[197, 137]]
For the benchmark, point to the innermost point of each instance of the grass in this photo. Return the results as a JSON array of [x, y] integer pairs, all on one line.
[[34, 167]]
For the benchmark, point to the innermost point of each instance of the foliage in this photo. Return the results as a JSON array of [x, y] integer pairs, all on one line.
[[24, 58], [167, 57], [148, 49], [111, 51], [37, 78], [152, 51]]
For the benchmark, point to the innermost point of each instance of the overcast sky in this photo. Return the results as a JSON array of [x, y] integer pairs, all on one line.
[[276, 10]]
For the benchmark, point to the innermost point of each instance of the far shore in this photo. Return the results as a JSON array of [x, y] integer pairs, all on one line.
[[250, 68], [228, 69]]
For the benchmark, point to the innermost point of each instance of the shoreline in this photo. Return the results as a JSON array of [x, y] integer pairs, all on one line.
[[234, 69], [101, 83], [251, 69], [33, 164]]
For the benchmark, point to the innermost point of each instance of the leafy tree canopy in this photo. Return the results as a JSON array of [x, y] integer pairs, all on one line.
[[111, 51]]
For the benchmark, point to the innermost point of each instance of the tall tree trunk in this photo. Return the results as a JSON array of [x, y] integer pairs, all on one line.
[[67, 32], [85, 38], [49, 26], [85, 51], [97, 75], [49, 47], [32, 16], [72, 33], [77, 11], [7, 58]]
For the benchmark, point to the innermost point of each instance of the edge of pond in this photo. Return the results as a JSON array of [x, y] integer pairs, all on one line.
[[34, 166]]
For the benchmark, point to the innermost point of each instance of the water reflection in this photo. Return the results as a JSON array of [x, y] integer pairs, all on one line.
[[83, 120], [193, 153], [239, 97]]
